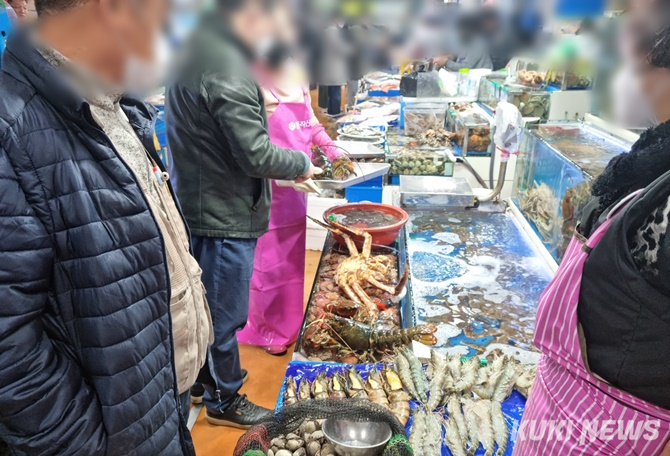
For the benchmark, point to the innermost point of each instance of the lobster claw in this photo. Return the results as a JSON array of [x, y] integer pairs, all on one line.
[[426, 334]]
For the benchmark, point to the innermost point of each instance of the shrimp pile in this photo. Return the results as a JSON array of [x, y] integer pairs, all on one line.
[[471, 392]]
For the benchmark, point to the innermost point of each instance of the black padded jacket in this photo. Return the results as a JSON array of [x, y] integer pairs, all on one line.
[[86, 357]]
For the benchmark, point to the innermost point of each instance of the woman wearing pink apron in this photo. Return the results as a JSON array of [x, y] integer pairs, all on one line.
[[603, 323], [570, 410], [276, 302]]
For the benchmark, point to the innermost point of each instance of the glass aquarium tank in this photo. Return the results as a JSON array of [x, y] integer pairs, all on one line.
[[529, 72], [421, 117], [473, 128], [570, 63], [531, 102], [489, 88], [555, 168]]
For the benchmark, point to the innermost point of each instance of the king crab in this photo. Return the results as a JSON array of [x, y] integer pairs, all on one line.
[[361, 267]]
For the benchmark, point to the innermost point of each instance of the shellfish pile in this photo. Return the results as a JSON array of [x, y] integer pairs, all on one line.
[[418, 162], [417, 122], [469, 123], [307, 440], [531, 105], [540, 205], [357, 323]]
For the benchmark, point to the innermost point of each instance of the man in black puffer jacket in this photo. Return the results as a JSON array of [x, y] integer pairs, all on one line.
[[86, 353]]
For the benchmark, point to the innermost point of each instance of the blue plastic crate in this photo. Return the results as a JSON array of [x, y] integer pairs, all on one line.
[[381, 93], [375, 182], [360, 192]]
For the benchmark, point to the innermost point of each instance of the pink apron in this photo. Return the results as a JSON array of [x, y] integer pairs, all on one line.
[[276, 300], [570, 411]]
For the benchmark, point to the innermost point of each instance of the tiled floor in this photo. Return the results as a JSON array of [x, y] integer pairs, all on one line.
[[265, 377]]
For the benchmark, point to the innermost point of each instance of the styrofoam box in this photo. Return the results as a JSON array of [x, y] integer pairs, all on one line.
[[316, 206]]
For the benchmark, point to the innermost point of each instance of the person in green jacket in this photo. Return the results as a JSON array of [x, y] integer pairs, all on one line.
[[221, 163]]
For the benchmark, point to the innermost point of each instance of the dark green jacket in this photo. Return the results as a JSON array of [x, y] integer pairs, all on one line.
[[221, 154]]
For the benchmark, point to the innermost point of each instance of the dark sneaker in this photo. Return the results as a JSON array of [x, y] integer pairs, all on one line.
[[197, 390], [241, 414]]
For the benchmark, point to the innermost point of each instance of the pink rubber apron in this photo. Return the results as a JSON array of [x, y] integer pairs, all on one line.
[[277, 285], [570, 411]]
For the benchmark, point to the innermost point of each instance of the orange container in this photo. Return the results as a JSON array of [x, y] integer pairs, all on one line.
[[380, 236]]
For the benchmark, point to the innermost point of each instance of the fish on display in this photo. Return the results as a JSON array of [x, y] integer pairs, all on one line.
[[375, 388], [304, 390], [397, 397], [405, 374], [355, 386], [416, 370], [320, 386], [336, 387], [500, 431], [291, 391]]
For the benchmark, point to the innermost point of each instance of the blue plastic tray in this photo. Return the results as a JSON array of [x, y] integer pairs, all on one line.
[[513, 407]]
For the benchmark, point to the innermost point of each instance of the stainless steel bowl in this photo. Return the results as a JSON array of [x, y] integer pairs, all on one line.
[[351, 438]]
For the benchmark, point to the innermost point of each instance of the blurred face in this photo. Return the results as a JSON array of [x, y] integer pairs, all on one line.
[[654, 82], [134, 25], [655, 85], [283, 24], [254, 24], [20, 8]]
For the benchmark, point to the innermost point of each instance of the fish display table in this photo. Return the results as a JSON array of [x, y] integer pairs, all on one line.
[[303, 373], [476, 275]]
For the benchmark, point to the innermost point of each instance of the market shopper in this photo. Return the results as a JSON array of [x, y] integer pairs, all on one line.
[[20, 7], [95, 269], [333, 65], [11, 14], [276, 302], [603, 322], [474, 49], [222, 160]]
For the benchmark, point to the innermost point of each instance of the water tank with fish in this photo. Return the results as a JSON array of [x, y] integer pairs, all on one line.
[[556, 165]]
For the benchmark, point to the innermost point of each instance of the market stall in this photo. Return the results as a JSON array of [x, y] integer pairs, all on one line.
[[436, 323]]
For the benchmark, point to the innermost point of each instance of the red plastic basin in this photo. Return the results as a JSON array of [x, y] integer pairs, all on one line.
[[380, 236]]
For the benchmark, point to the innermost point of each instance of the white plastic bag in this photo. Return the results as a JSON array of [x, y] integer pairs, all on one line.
[[509, 130]]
